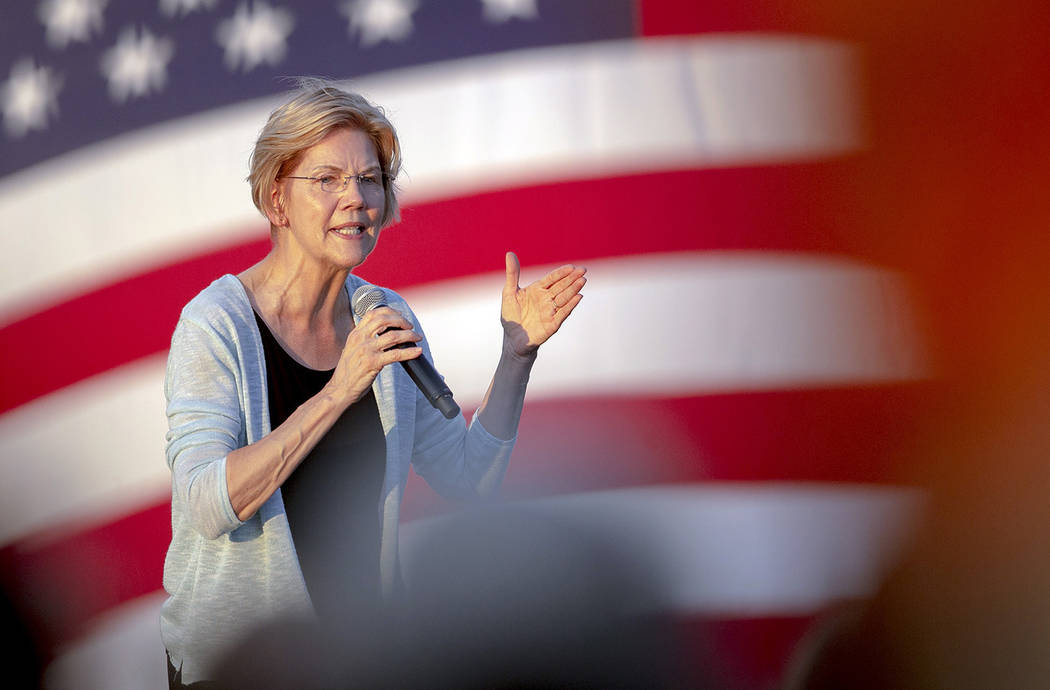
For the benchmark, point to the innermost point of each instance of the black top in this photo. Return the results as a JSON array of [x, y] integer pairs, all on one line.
[[332, 497]]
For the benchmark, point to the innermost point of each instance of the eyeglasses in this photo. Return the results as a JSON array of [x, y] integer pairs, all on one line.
[[337, 184]]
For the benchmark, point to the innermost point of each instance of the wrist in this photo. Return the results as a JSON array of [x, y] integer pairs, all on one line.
[[511, 353], [332, 397]]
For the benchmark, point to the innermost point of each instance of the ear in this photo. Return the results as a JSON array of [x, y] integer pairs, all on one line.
[[275, 209]]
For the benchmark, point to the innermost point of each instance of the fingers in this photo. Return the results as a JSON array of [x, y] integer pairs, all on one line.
[[556, 281], [513, 271], [563, 312], [398, 354], [557, 274], [382, 336], [396, 338], [563, 290], [385, 329], [382, 319]]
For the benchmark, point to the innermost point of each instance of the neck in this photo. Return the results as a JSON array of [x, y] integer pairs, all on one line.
[[293, 289]]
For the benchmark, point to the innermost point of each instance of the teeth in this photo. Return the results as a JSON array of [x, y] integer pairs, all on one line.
[[349, 231]]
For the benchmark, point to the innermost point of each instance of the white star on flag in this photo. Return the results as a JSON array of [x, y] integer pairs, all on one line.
[[379, 20], [29, 96], [499, 11], [71, 20], [256, 33], [137, 64], [172, 8]]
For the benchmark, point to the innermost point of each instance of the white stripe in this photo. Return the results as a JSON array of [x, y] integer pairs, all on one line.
[[724, 550], [653, 325], [688, 323], [154, 196], [123, 651], [86, 454]]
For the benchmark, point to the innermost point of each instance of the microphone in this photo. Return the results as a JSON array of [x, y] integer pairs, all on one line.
[[420, 370]]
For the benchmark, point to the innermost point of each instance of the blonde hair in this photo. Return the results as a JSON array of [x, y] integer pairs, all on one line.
[[313, 112]]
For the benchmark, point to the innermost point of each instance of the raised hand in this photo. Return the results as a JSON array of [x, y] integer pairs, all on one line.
[[532, 314]]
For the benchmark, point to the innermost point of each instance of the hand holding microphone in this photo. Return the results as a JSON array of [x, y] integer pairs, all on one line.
[[367, 298], [369, 348]]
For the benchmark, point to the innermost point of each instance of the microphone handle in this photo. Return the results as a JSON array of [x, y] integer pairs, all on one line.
[[426, 378]]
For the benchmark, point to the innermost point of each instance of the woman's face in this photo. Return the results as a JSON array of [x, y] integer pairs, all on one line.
[[338, 229]]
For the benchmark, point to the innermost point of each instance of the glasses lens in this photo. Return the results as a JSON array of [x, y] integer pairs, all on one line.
[[333, 183], [336, 184]]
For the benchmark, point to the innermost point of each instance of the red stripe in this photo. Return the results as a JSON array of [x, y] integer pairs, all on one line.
[[848, 434], [682, 17], [106, 328], [854, 434], [788, 207], [744, 653], [62, 583], [796, 207]]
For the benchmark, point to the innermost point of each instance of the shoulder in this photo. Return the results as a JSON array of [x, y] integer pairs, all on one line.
[[220, 315], [222, 305]]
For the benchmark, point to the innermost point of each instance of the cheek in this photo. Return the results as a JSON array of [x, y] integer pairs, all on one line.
[[314, 208]]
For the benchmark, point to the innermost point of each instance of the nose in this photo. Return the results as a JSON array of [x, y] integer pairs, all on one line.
[[353, 196]]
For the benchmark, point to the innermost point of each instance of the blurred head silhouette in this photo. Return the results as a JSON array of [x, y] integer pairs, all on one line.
[[496, 598]]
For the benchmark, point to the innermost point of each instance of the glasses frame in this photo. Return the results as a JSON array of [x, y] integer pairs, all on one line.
[[346, 182]]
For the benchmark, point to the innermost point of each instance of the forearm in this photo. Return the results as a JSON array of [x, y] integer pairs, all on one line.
[[255, 471], [500, 410]]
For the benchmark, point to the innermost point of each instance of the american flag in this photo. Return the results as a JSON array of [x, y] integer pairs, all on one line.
[[737, 387]]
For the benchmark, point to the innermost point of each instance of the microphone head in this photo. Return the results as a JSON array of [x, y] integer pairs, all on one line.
[[366, 298]]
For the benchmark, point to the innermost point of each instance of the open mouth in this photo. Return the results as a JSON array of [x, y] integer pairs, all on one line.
[[350, 230]]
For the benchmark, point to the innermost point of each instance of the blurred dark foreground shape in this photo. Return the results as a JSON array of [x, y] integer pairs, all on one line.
[[496, 598]]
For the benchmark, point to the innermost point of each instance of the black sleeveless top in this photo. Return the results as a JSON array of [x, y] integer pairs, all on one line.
[[332, 498]]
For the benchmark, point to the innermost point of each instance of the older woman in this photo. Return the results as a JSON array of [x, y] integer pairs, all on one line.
[[290, 433]]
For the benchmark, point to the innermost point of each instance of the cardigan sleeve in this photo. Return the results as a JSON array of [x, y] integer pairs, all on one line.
[[458, 461], [204, 425]]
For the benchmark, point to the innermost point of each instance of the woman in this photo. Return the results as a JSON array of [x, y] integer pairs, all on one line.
[[290, 432]]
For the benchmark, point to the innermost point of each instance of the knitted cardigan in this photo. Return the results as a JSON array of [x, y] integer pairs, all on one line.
[[224, 576]]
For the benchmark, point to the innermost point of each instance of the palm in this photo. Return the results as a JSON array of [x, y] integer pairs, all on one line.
[[532, 314]]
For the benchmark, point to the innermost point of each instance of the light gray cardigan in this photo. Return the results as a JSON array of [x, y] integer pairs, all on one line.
[[224, 576]]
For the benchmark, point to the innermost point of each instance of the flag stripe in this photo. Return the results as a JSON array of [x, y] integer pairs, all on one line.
[[680, 17], [738, 322], [508, 120], [123, 651], [694, 322], [857, 434], [76, 572], [763, 548], [851, 434], [778, 207], [847, 535]]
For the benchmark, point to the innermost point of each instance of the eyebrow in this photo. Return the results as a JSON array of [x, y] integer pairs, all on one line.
[[334, 168]]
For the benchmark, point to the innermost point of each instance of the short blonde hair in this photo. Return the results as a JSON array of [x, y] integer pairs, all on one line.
[[313, 112]]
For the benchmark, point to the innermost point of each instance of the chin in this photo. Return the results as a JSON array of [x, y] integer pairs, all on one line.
[[352, 262]]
